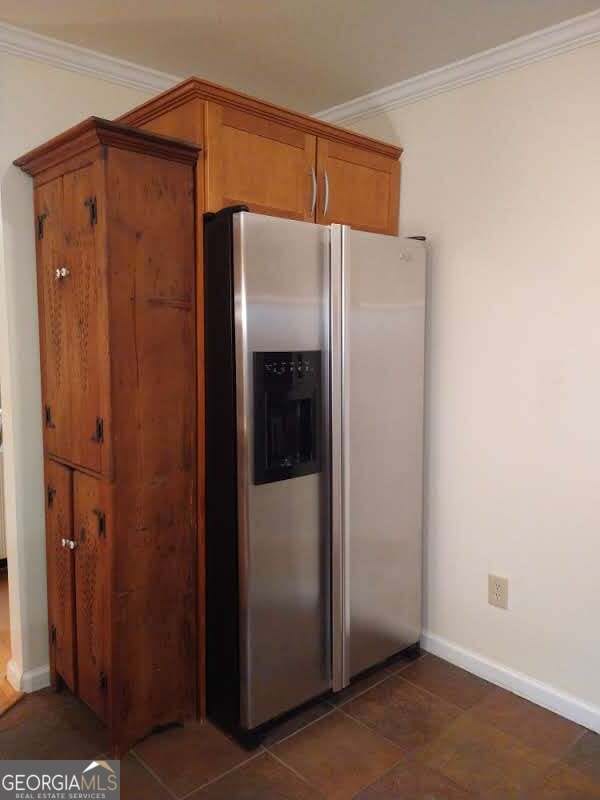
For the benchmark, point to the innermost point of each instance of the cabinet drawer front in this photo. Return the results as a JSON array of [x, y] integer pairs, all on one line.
[[86, 313], [53, 318], [92, 581], [263, 164], [357, 188], [60, 571]]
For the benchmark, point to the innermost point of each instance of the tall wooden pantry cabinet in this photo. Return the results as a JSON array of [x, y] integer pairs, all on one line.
[[115, 233]]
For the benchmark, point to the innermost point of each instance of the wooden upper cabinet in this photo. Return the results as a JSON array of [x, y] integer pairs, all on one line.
[[357, 187], [267, 157], [268, 166], [72, 308]]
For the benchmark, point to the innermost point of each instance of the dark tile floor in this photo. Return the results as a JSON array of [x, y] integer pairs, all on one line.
[[420, 730]]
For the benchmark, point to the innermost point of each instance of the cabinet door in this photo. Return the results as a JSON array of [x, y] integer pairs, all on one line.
[[60, 572], [86, 314], [92, 575], [53, 323], [357, 188], [263, 164]]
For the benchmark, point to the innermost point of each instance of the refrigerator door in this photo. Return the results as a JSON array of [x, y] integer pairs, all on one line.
[[281, 277], [378, 286]]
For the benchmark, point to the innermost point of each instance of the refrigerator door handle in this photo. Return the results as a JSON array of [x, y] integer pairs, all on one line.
[[340, 550]]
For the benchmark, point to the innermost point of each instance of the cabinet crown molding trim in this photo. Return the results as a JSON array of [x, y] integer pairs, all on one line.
[[20, 42], [95, 131], [197, 89], [560, 38]]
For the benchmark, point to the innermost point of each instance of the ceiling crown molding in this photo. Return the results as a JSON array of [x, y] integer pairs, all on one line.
[[20, 42], [565, 36]]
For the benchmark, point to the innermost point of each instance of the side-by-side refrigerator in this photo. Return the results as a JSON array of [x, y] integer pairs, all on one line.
[[314, 458]]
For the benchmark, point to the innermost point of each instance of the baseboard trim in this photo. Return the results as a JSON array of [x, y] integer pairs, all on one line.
[[540, 693], [30, 680]]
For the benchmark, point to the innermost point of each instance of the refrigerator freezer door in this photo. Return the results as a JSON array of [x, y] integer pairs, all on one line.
[[281, 276], [382, 287]]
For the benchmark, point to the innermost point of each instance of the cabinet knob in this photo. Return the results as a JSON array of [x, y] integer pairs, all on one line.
[[70, 544], [61, 273]]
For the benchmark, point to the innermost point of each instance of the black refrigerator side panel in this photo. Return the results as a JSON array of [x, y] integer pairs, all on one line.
[[222, 583]]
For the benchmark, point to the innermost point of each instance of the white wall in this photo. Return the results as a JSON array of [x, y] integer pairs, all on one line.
[[36, 102], [503, 176]]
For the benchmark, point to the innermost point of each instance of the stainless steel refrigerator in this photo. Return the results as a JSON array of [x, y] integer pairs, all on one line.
[[314, 442]]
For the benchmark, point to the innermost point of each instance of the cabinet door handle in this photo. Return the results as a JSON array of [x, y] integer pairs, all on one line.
[[313, 202], [326, 185]]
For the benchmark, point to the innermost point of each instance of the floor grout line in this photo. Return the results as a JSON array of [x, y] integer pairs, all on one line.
[[471, 710], [302, 728], [403, 756], [553, 759], [409, 757], [383, 774], [151, 772], [359, 694], [372, 730], [261, 751], [294, 771], [496, 687], [575, 743], [436, 696], [541, 773], [562, 762], [377, 683]]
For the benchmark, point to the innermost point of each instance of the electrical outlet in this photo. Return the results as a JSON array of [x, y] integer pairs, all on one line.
[[498, 591]]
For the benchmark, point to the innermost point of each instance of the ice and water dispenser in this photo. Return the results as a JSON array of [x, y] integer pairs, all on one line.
[[287, 415]]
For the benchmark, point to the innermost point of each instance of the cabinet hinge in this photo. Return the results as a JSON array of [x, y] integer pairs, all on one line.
[[99, 432], [53, 634], [101, 516], [48, 417], [50, 492], [90, 203], [103, 681], [40, 224]]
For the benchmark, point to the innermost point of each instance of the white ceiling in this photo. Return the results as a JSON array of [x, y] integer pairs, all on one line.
[[307, 54]]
